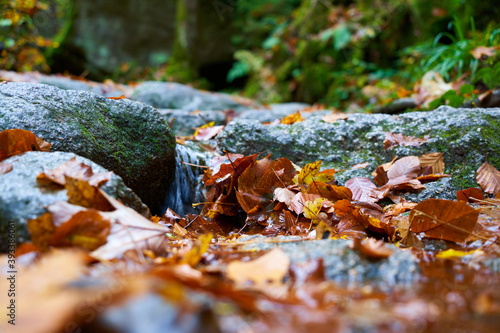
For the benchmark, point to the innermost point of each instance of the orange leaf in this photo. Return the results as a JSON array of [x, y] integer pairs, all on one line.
[[489, 178], [17, 141], [343, 207], [444, 219], [121, 97], [334, 117], [468, 195], [292, 118]]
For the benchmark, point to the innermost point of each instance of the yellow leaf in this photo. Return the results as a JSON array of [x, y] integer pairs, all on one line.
[[312, 208], [193, 256], [307, 173], [449, 254], [293, 118]]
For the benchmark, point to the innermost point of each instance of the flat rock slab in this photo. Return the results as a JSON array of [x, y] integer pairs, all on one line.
[[126, 137], [344, 265], [22, 198], [467, 137]]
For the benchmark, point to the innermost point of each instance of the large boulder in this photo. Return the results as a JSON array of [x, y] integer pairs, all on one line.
[[126, 137], [22, 198], [467, 137], [171, 95]]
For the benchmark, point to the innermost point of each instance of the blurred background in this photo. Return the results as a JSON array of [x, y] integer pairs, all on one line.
[[352, 55]]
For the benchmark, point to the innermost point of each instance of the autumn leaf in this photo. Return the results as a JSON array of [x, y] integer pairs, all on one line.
[[334, 117], [386, 166], [116, 98], [481, 51], [284, 195], [489, 178], [193, 255], [74, 170], [292, 118], [470, 194], [433, 160], [381, 176], [372, 249], [313, 208], [408, 167], [343, 207], [17, 141], [5, 168], [393, 139], [363, 189], [266, 271], [444, 219], [207, 133], [330, 192], [308, 172]]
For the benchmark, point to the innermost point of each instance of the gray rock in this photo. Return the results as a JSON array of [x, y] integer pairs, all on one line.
[[123, 136], [67, 83], [275, 111], [344, 265], [171, 95], [185, 121], [22, 198], [467, 137]]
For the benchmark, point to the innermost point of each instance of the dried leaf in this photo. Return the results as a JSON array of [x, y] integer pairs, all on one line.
[[363, 189], [205, 134], [116, 98], [5, 168], [284, 195], [343, 207], [485, 51], [393, 139], [373, 249], [468, 195], [381, 176], [330, 192], [489, 178], [292, 118], [312, 209], [17, 141], [386, 166], [444, 219], [334, 117], [194, 254], [73, 169], [265, 271], [360, 166], [408, 167], [433, 160], [308, 173]]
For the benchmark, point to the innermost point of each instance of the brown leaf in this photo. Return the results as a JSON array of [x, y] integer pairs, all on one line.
[[468, 195], [334, 117], [433, 160], [5, 168], [292, 118], [116, 98], [343, 207], [431, 178], [408, 167], [284, 195], [266, 271], [205, 134], [393, 139], [363, 189], [17, 141], [353, 224], [373, 249], [360, 166], [381, 176], [330, 192], [483, 51], [73, 169], [489, 178], [81, 193], [444, 219], [386, 166]]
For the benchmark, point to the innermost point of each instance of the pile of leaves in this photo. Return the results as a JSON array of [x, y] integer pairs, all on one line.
[[244, 194]]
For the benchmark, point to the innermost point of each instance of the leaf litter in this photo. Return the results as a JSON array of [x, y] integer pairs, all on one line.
[[249, 197]]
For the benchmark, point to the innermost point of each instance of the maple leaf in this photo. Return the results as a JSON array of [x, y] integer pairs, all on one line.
[[444, 219], [394, 139], [17, 141], [292, 118], [489, 178]]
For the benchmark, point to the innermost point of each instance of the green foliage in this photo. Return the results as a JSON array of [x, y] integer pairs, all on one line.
[[24, 43]]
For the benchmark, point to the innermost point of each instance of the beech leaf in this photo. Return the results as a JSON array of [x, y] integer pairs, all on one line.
[[17, 141], [433, 160], [407, 166], [362, 189], [489, 178], [444, 219], [394, 139]]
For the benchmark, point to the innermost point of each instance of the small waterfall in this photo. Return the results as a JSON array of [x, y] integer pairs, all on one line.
[[186, 187]]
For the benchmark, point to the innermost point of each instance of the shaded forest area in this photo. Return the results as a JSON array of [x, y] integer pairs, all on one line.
[[352, 55]]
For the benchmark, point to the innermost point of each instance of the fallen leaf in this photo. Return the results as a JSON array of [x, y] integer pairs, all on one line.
[[17, 141], [481, 51], [308, 173], [334, 117], [73, 169], [451, 253], [312, 209], [5, 168], [381, 176], [292, 118], [433, 160], [489, 178], [268, 270], [284, 195], [373, 249], [470, 194], [363, 189], [116, 98], [431, 178], [194, 254], [386, 166], [394, 139], [444, 219], [343, 207], [205, 134], [360, 166], [408, 167]]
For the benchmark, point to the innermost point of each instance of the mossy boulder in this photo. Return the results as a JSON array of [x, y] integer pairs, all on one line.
[[126, 137], [467, 137], [22, 198]]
